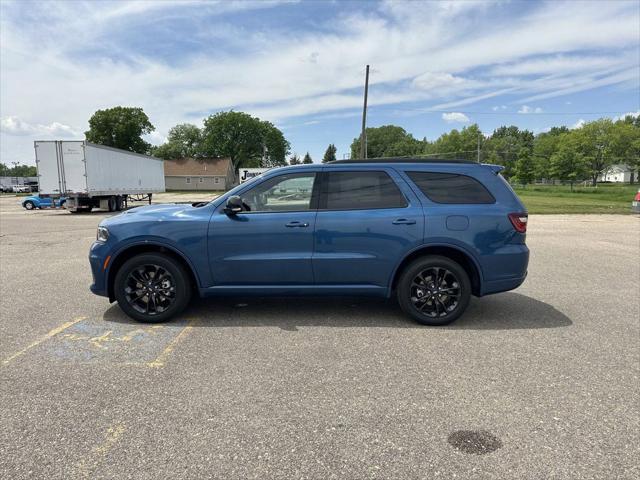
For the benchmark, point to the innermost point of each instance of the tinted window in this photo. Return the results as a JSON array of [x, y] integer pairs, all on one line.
[[285, 193], [360, 190], [451, 188]]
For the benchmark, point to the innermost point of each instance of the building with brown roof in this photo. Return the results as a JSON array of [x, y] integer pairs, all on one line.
[[199, 174]]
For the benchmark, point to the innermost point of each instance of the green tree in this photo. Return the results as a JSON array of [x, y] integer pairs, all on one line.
[[544, 146], [246, 140], [18, 170], [307, 158], [594, 142], [568, 165], [387, 141], [120, 127], [184, 141], [525, 168], [330, 154], [504, 146], [461, 144], [626, 143], [294, 160]]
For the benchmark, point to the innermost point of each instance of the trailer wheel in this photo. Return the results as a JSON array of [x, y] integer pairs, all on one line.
[[112, 204], [118, 203]]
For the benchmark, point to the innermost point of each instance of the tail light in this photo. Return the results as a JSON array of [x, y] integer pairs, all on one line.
[[519, 221]]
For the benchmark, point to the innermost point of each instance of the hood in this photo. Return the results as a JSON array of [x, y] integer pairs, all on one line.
[[150, 212]]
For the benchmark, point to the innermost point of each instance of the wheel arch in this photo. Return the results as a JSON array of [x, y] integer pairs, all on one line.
[[456, 254], [139, 248]]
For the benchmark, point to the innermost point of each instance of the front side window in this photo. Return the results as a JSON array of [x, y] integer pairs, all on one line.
[[360, 190], [451, 188], [284, 193]]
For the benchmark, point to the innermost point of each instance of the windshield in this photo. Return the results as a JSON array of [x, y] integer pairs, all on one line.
[[232, 191]]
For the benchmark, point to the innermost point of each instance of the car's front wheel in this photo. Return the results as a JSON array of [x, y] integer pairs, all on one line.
[[434, 290], [29, 205], [152, 287]]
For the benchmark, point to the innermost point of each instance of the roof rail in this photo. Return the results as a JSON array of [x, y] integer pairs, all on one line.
[[403, 160]]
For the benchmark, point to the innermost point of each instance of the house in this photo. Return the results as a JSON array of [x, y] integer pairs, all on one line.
[[617, 173], [199, 174]]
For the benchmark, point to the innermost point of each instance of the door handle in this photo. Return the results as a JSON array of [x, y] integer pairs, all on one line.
[[296, 224], [404, 221]]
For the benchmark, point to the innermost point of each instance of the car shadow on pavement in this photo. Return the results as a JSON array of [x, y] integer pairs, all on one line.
[[497, 312]]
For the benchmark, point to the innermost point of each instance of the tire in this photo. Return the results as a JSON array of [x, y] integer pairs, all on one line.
[[118, 203], [421, 298], [112, 204], [141, 267], [29, 205]]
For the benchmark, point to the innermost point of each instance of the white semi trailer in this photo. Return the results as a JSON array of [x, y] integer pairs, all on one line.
[[95, 176]]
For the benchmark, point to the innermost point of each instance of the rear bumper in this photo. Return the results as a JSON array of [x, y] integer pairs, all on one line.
[[505, 269], [497, 286]]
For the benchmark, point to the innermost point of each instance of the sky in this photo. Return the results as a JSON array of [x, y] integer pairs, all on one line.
[[434, 65]]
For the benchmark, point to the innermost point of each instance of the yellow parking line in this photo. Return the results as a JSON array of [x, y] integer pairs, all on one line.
[[161, 359], [52, 333], [86, 466]]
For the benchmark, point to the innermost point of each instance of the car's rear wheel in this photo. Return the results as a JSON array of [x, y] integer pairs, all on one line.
[[29, 205], [152, 287], [434, 290]]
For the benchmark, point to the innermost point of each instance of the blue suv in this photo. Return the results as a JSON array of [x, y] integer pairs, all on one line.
[[433, 233]]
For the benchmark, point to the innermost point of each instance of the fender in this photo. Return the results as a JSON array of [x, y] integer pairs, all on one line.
[[459, 248], [156, 242]]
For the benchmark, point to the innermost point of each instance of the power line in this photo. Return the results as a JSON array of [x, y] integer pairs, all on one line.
[[473, 112]]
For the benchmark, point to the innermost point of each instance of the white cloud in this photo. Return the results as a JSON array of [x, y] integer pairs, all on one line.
[[578, 124], [15, 126], [498, 107], [628, 114], [431, 52], [455, 117], [431, 80], [524, 109]]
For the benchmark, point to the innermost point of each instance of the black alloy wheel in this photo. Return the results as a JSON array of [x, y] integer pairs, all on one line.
[[152, 287], [434, 290]]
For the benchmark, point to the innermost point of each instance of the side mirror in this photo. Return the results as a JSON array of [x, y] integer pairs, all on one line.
[[234, 205]]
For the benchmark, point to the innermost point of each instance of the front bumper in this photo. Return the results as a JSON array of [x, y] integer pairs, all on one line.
[[97, 255]]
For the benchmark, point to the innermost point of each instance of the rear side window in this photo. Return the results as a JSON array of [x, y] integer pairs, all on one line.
[[451, 188], [360, 190]]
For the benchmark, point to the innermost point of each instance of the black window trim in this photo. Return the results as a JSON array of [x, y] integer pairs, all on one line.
[[409, 172], [322, 196], [313, 204]]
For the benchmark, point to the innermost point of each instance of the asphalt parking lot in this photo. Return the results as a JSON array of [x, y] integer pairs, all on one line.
[[537, 383]]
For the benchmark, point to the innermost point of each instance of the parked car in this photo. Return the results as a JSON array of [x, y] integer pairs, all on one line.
[[21, 189], [430, 233], [6, 188], [34, 201], [635, 204]]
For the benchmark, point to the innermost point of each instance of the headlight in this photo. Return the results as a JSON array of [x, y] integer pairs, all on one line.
[[103, 234]]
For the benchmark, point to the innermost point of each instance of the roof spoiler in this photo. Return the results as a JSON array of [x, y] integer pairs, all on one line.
[[496, 169]]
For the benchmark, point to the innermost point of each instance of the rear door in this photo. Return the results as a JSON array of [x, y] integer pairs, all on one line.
[[367, 221], [47, 163], [73, 165]]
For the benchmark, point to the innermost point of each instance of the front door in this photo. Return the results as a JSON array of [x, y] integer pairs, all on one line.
[[271, 241], [367, 221]]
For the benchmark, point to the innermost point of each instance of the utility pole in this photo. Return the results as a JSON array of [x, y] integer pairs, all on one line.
[[479, 147], [15, 171], [363, 136]]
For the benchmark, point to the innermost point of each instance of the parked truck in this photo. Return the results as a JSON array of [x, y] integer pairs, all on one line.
[[95, 176]]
